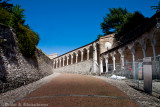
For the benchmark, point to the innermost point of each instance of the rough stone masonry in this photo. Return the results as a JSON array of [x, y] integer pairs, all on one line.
[[15, 69]]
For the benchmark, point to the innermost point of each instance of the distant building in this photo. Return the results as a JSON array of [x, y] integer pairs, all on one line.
[[51, 56]]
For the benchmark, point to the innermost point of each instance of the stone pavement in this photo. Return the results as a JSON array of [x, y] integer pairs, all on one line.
[[73, 90]]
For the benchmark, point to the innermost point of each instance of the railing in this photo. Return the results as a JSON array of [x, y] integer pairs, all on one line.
[[134, 73]]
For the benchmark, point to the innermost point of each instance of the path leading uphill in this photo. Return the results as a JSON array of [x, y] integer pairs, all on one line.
[[73, 90]]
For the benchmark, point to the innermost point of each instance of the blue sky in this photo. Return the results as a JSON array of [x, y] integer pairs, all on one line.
[[64, 25]]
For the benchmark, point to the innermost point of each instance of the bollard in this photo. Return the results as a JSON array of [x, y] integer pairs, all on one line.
[[147, 68]]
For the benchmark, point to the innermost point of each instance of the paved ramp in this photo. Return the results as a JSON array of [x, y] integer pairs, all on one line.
[[73, 90]]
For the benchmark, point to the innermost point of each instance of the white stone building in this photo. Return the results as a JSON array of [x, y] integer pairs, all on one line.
[[96, 57]]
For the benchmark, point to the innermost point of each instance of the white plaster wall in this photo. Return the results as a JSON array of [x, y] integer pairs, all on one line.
[[83, 67]]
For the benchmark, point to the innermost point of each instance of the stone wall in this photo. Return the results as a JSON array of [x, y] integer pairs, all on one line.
[[83, 67], [103, 40], [15, 69]]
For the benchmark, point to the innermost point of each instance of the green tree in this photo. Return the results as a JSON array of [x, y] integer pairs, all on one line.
[[113, 20], [13, 14], [18, 14], [129, 24], [5, 4], [5, 16], [121, 22]]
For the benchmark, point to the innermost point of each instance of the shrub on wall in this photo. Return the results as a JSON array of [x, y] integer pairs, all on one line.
[[27, 40], [14, 16], [4, 16]]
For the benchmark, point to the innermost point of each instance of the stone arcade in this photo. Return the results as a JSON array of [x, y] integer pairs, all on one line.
[[102, 55]]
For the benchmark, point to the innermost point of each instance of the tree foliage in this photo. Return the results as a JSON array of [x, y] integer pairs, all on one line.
[[5, 16], [14, 16], [129, 24], [120, 22], [27, 40], [113, 20], [5, 4], [18, 14]]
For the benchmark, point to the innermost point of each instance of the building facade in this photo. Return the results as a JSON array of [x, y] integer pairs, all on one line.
[[103, 54]]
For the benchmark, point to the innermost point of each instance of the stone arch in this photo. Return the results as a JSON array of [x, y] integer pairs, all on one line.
[[138, 51], [74, 57], [84, 54], [149, 49], [128, 62], [110, 59], [79, 56], [108, 45], [157, 42], [57, 63], [110, 62], [117, 56], [61, 61], [98, 52], [90, 52], [117, 59], [104, 64], [54, 64], [65, 61], [127, 55], [69, 60]]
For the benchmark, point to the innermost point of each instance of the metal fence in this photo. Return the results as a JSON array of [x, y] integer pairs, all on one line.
[[156, 74], [133, 73]]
